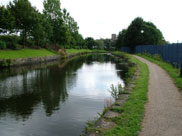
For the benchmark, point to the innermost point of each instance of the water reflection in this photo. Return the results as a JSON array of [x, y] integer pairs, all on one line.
[[57, 91]]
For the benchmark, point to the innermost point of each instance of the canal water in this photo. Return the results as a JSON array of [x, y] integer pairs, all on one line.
[[57, 100]]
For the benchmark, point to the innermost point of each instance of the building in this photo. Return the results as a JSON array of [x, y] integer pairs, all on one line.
[[113, 37]]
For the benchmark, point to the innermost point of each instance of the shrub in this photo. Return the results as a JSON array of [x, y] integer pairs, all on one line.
[[157, 57], [12, 45], [116, 90], [11, 41], [2, 45], [30, 43], [67, 47], [62, 53], [5, 62]]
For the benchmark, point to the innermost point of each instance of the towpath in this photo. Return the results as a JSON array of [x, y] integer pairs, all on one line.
[[163, 112]]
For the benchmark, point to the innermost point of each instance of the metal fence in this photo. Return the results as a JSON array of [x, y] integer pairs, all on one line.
[[171, 53]]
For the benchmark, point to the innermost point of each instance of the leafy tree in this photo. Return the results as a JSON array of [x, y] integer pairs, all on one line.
[[100, 44], [6, 20], [72, 29], [79, 40], [90, 43], [40, 30], [52, 10], [120, 39], [139, 32], [53, 26], [24, 18], [107, 44]]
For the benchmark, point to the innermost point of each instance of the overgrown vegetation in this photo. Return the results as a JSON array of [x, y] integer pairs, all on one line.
[[129, 122], [173, 71]]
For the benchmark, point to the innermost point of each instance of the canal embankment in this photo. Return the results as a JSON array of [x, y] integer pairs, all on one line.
[[15, 58]]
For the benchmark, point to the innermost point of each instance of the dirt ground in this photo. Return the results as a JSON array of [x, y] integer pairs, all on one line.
[[163, 112]]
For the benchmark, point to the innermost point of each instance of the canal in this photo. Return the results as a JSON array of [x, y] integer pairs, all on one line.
[[57, 100]]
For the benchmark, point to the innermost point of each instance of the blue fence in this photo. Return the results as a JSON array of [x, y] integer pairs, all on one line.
[[171, 53]]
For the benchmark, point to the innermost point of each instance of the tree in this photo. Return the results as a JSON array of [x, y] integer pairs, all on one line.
[[107, 44], [52, 27], [73, 28], [139, 32], [99, 44], [90, 43], [52, 10], [24, 18], [7, 21], [79, 40], [40, 30], [120, 39]]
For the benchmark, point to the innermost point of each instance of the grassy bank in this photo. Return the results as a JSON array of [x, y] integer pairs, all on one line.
[[173, 72], [129, 122], [24, 53], [73, 51]]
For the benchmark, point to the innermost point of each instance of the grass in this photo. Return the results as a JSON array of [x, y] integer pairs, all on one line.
[[24, 53], [129, 122], [72, 51], [117, 109], [172, 71], [121, 54]]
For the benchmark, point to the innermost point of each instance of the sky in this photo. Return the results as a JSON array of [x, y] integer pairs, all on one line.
[[101, 18]]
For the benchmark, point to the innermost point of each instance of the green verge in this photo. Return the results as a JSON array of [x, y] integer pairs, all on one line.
[[24, 53], [73, 51], [172, 71], [129, 122]]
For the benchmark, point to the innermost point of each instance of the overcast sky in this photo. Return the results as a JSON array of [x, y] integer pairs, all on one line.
[[101, 18]]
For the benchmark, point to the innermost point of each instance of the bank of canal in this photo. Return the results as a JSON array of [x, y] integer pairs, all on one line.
[[57, 100]]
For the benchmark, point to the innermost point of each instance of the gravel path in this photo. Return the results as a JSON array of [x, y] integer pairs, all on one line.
[[163, 112]]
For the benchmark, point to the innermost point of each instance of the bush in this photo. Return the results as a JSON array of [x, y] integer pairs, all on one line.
[[30, 43], [11, 41], [67, 47], [157, 57], [12, 45], [2, 45], [76, 47], [116, 91]]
